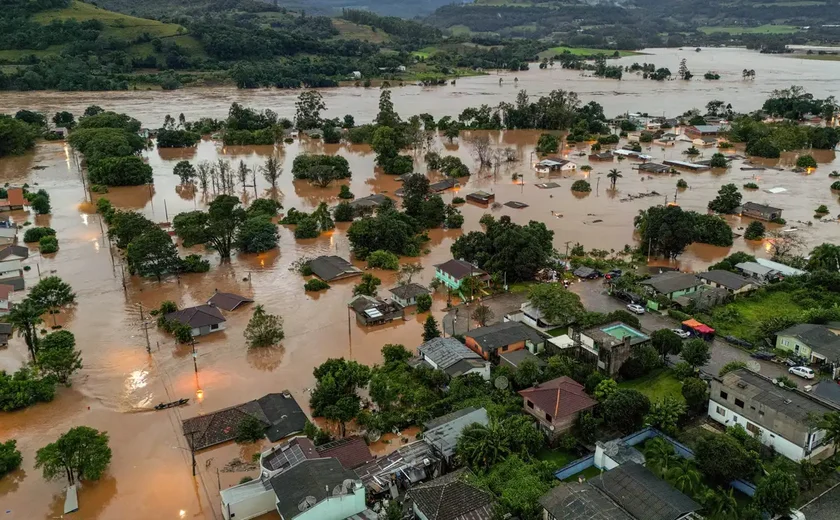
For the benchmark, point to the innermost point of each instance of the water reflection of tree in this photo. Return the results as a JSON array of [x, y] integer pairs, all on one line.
[[11, 482], [94, 496], [186, 191], [266, 359]]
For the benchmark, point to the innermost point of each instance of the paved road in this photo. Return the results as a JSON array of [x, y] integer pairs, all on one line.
[[595, 298]]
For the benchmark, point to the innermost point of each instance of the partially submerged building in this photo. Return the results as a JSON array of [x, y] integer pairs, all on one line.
[[201, 319], [760, 211], [481, 197], [406, 295], [453, 272], [228, 301], [370, 310], [11, 266], [330, 268], [555, 164]]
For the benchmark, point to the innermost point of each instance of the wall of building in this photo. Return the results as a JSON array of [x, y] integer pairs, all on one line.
[[207, 330], [252, 506], [336, 508], [792, 344], [475, 347], [448, 280], [560, 425], [484, 371], [791, 450]]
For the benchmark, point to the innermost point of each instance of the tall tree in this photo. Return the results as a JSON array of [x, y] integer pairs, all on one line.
[[776, 494], [430, 329], [52, 293], [824, 256], [335, 395], [666, 342], [482, 314], [482, 446], [264, 330], [216, 228], [613, 176], [557, 304], [387, 116], [308, 107], [82, 453], [185, 171], [153, 254], [58, 357], [367, 286], [25, 318], [272, 170], [830, 422], [727, 200], [10, 457], [696, 353]]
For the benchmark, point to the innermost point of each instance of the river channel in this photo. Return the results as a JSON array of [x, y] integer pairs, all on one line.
[[149, 475]]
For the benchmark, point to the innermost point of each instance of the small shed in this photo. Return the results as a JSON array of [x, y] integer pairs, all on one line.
[[481, 197]]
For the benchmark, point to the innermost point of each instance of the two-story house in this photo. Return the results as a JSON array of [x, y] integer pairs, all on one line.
[[508, 336], [610, 345], [11, 265], [777, 416], [453, 272], [557, 403]]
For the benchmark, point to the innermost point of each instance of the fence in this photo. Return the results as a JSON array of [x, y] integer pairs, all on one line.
[[575, 467]]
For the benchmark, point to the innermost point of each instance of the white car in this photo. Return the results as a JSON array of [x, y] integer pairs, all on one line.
[[681, 333], [636, 309], [805, 372]]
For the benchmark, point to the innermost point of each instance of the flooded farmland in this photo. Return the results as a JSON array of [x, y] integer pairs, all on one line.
[[149, 475]]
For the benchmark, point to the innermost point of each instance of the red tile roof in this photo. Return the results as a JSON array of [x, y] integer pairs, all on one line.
[[16, 197], [5, 291], [559, 397], [352, 452]]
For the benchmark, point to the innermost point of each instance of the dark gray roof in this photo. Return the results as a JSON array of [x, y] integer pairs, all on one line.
[[409, 291], [499, 335], [445, 352], [445, 184], [642, 494], [330, 268], [818, 337], [443, 419], [787, 402], [371, 201], [14, 250], [763, 208], [583, 271], [828, 390], [667, 283], [444, 436], [516, 357], [459, 269], [198, 316], [654, 167], [727, 279], [310, 478], [465, 365], [581, 501], [228, 301], [6, 328], [284, 414], [451, 498]]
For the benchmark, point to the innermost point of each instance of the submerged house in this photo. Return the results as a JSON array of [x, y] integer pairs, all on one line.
[[228, 301], [330, 268], [14, 200], [555, 164], [374, 311], [406, 295], [201, 319], [481, 197], [760, 211], [11, 266]]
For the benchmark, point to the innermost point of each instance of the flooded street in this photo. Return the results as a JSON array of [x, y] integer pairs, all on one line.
[[149, 475]]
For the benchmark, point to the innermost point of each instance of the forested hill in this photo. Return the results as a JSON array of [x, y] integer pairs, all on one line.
[[634, 24], [157, 8]]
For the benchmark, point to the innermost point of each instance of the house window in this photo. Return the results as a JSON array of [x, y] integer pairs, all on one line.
[[785, 342], [530, 404], [547, 417], [721, 411], [739, 403], [724, 395], [761, 413], [214, 326], [755, 430], [796, 349]]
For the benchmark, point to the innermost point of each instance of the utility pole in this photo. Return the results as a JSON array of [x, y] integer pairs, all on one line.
[[165, 211], [192, 450], [349, 333], [194, 356], [145, 328], [598, 187]]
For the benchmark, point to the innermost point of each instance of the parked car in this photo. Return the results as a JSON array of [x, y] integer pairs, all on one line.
[[615, 273], [763, 354], [636, 309], [805, 372], [681, 333]]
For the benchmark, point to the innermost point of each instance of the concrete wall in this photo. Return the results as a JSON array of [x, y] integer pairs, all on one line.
[[207, 330], [262, 501], [484, 371], [335, 508]]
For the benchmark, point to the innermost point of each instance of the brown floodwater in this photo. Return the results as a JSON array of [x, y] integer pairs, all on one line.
[[149, 476]]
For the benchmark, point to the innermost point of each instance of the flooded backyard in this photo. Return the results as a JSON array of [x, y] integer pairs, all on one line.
[[149, 475]]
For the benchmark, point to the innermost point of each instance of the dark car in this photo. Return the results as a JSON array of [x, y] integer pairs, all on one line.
[[615, 273]]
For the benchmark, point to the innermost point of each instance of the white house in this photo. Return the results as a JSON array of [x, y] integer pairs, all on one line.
[[774, 414], [202, 319], [555, 164]]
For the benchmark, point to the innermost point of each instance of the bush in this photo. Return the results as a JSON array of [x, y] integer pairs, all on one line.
[[98, 188], [48, 244], [755, 231], [307, 228], [678, 315], [718, 161], [806, 161], [343, 212], [383, 260], [249, 429], [835, 185], [316, 285], [345, 193], [194, 264], [458, 200], [424, 302], [822, 210], [35, 234], [581, 186], [683, 370], [120, 171], [764, 147], [681, 184]]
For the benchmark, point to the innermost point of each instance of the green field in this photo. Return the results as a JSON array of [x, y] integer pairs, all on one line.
[[817, 57], [582, 51], [750, 310], [761, 29], [656, 385], [353, 31], [558, 458]]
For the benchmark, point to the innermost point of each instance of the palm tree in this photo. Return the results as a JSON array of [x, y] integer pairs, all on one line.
[[659, 455], [719, 505], [481, 446], [831, 424], [25, 318], [613, 176], [684, 476]]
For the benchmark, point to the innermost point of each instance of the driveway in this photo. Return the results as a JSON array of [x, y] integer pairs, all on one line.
[[595, 298], [457, 321]]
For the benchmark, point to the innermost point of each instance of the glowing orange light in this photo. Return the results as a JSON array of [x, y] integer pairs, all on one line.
[[199, 394]]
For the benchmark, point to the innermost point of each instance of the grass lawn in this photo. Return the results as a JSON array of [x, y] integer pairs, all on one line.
[[559, 331], [751, 310], [521, 287], [587, 474], [557, 458], [581, 51], [656, 385], [761, 29]]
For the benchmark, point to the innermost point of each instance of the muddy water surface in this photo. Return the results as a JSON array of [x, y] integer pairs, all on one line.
[[149, 476]]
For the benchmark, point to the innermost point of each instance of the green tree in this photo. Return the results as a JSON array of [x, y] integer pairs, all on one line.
[[659, 455], [527, 374], [383, 260], [547, 144], [264, 330], [249, 429], [755, 231], [35, 234], [64, 119], [424, 302], [557, 304], [696, 353], [605, 389], [367, 286], [727, 200], [830, 422], [335, 395], [10, 457], [25, 318], [613, 176], [825, 256], [308, 107], [52, 293], [343, 212], [263, 208], [119, 171], [482, 314], [58, 357], [82, 453], [806, 161], [777, 492], [723, 459], [482, 446], [665, 230], [153, 254], [40, 203], [581, 186], [125, 226], [665, 414], [683, 476], [185, 171], [257, 235], [731, 367], [719, 504], [718, 161], [430, 328], [626, 409], [16, 137], [666, 342], [215, 228], [695, 391], [272, 170]]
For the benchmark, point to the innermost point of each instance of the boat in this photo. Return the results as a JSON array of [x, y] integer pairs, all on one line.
[[164, 406]]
